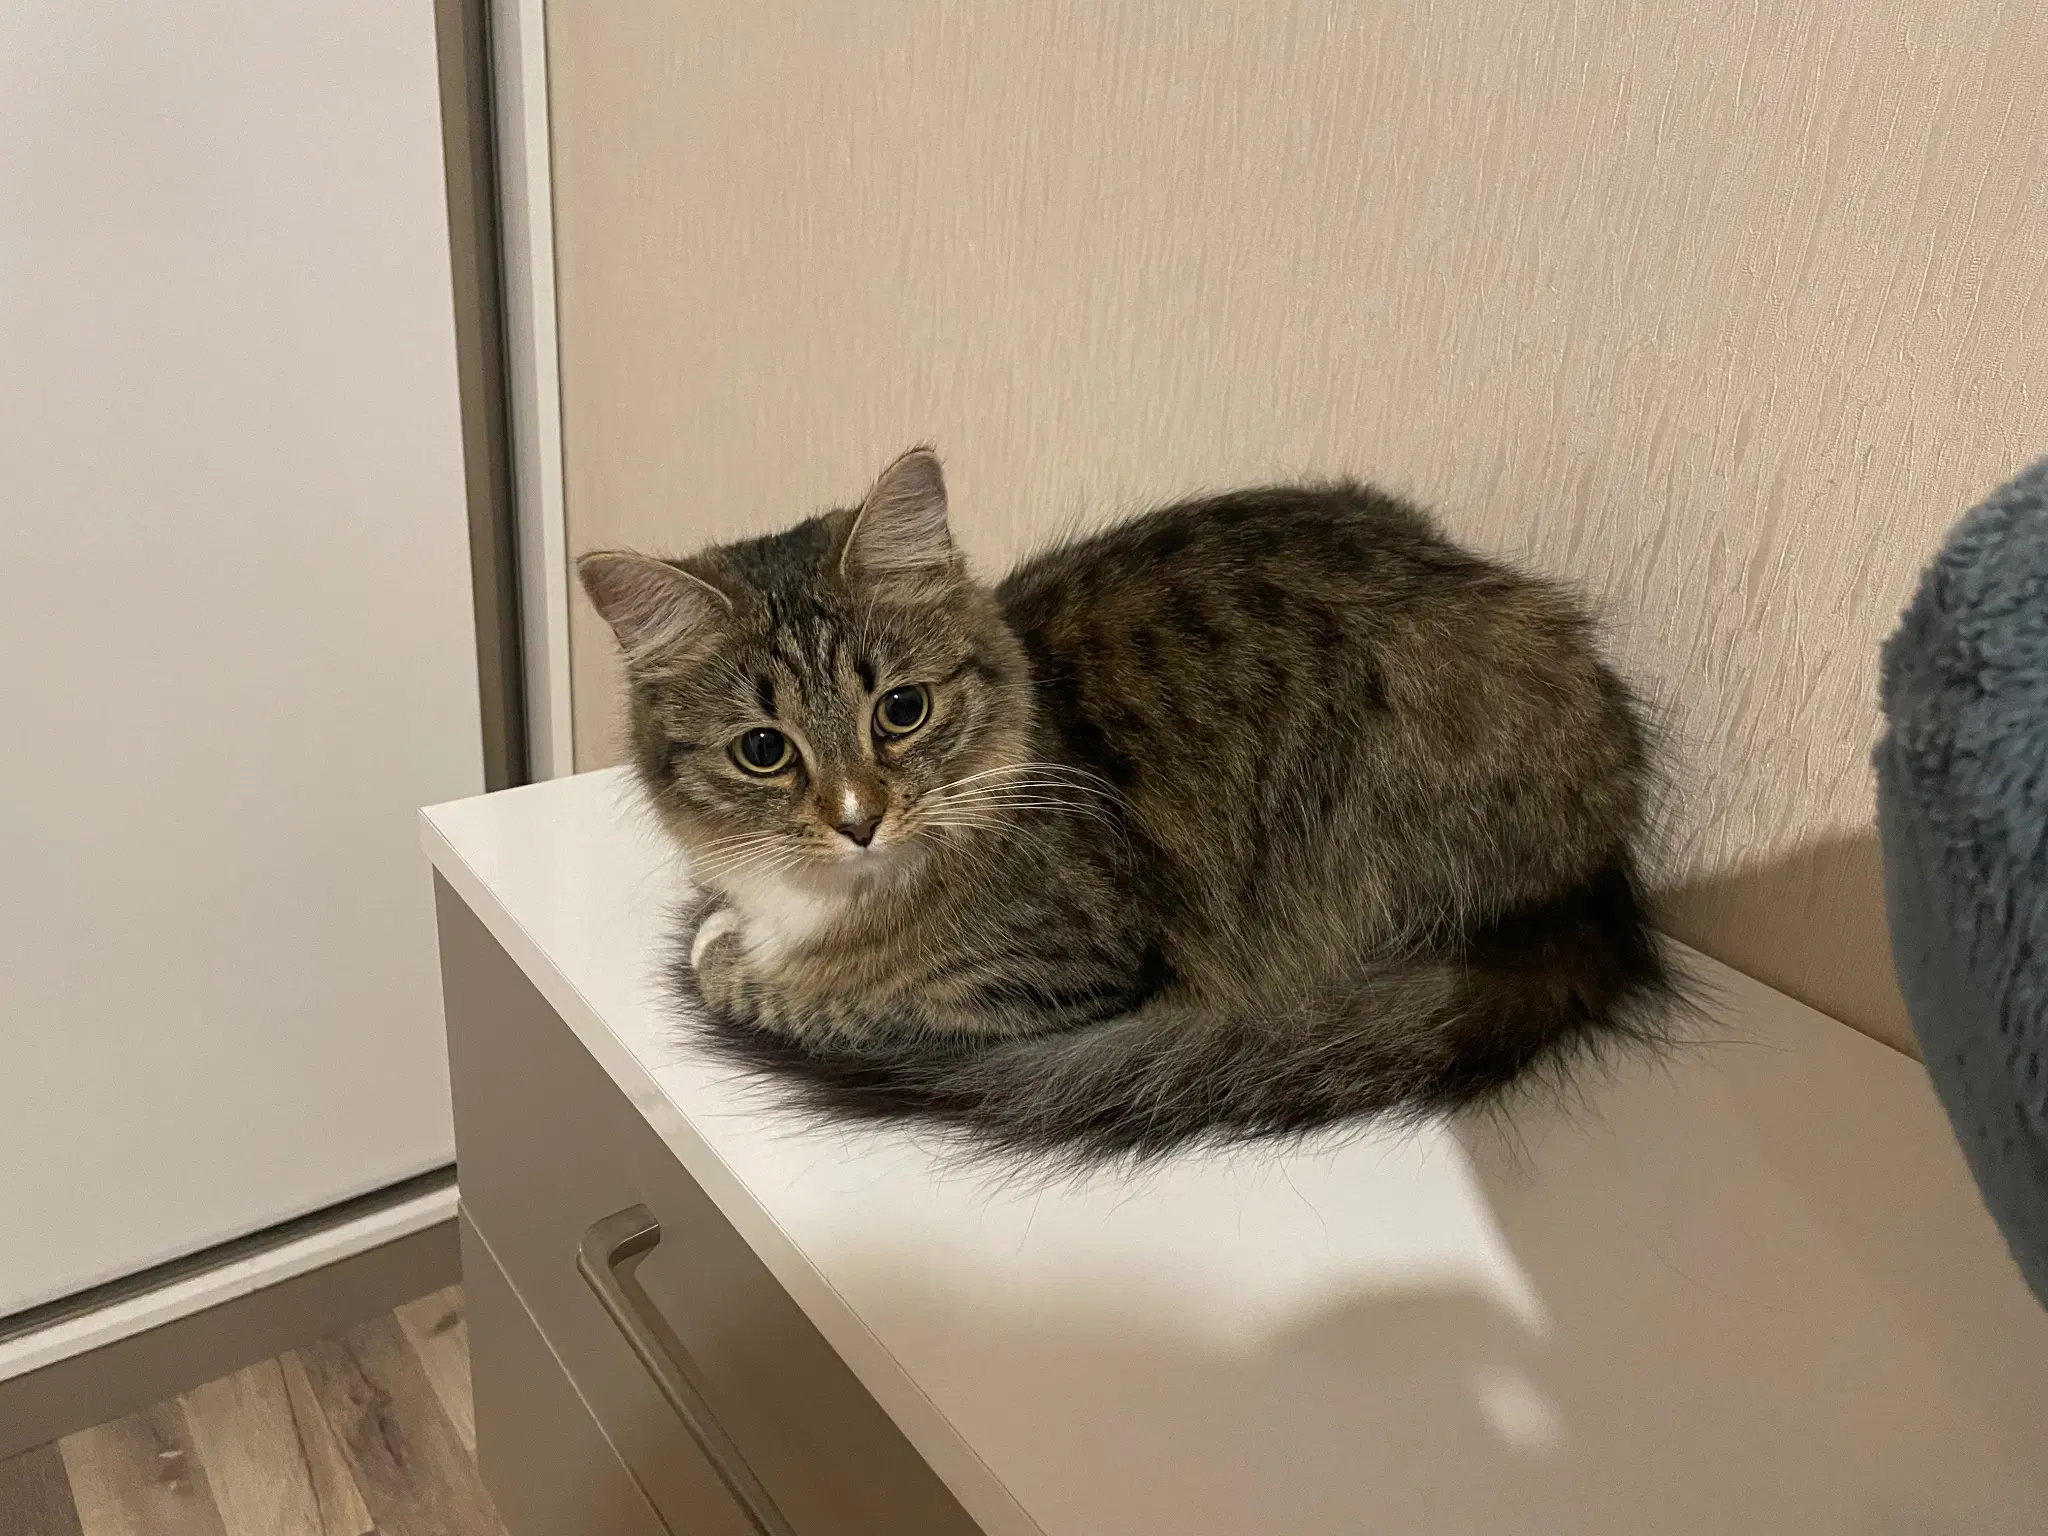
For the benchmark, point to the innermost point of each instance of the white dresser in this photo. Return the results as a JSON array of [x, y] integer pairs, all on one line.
[[1746, 1289]]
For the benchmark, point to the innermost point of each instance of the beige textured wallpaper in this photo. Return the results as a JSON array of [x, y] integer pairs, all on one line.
[[1725, 310]]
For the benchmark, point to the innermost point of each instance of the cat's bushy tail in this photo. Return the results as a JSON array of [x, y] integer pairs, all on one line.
[[1407, 1036]]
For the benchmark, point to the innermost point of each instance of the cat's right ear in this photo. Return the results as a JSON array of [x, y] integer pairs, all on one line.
[[659, 612], [900, 532]]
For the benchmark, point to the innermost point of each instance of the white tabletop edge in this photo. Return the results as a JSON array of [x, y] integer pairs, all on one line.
[[978, 1489], [1377, 1333]]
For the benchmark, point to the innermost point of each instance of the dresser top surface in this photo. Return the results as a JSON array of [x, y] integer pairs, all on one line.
[[1744, 1287]]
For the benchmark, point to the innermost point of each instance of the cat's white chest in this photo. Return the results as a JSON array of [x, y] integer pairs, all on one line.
[[778, 916]]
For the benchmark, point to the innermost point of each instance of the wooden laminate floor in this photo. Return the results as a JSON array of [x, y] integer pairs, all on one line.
[[367, 1434]]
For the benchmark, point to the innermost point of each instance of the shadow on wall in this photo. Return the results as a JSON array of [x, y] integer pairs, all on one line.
[[1810, 923]]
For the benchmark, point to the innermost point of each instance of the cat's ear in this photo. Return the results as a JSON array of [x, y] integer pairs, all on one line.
[[658, 612], [901, 529]]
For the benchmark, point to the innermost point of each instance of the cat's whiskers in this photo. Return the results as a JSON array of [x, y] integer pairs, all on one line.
[[1037, 785], [738, 860], [762, 868], [1071, 778], [981, 855], [744, 839], [1028, 765], [1005, 798], [738, 840], [993, 816], [1035, 798]]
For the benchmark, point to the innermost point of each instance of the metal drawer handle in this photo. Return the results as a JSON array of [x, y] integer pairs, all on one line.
[[608, 1247]]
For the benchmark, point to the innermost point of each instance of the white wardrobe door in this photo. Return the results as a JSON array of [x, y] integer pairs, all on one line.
[[235, 630]]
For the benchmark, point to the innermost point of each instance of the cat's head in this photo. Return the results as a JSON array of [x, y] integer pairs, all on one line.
[[822, 701]]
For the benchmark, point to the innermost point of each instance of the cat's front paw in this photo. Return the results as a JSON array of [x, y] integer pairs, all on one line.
[[720, 924], [718, 956]]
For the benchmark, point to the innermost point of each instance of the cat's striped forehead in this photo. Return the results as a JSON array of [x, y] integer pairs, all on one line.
[[806, 659], [809, 647]]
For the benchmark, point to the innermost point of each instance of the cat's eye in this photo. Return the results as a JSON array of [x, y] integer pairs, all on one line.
[[902, 710], [763, 751]]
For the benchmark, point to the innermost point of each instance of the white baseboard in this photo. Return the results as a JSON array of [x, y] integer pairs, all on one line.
[[232, 1279]]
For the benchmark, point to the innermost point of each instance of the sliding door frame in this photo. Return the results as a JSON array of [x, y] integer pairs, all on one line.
[[494, 100]]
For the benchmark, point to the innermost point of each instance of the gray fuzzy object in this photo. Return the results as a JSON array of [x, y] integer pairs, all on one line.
[[1962, 811]]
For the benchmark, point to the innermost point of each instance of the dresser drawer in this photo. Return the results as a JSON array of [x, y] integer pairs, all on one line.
[[548, 1151], [548, 1465]]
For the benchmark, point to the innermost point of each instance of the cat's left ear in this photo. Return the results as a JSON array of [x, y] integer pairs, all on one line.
[[662, 615], [901, 531]]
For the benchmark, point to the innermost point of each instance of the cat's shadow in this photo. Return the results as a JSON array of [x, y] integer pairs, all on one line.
[[1756, 1311]]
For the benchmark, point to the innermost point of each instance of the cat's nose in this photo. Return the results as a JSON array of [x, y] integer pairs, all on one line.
[[856, 810], [858, 827]]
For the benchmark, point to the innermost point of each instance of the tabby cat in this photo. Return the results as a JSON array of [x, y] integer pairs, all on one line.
[[1251, 814]]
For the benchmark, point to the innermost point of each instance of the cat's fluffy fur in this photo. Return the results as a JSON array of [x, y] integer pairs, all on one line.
[[1248, 815]]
